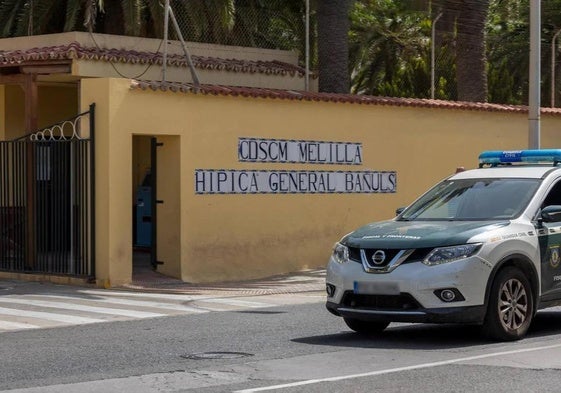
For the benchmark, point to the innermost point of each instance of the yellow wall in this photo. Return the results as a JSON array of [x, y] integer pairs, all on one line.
[[169, 217], [113, 147], [56, 103], [15, 111], [230, 237]]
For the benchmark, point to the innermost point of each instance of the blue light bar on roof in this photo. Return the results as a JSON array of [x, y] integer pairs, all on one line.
[[530, 156]]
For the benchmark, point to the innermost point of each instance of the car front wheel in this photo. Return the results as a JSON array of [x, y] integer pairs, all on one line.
[[510, 307], [366, 327]]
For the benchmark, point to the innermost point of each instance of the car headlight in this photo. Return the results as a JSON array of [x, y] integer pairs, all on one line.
[[449, 254], [340, 253]]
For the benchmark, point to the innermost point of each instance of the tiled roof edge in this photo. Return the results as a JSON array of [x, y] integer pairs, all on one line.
[[75, 50], [329, 97]]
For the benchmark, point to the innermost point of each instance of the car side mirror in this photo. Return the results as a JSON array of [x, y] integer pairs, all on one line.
[[551, 213], [399, 210]]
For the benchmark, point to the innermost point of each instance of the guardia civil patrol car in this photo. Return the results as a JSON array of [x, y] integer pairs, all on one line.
[[481, 247]]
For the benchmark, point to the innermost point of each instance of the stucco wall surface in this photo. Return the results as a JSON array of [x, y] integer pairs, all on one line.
[[224, 237], [54, 105]]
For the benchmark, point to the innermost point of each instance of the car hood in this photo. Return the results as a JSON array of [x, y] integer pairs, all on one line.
[[418, 234]]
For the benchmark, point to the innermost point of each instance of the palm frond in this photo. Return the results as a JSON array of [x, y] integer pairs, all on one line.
[[40, 16], [11, 12], [73, 10]]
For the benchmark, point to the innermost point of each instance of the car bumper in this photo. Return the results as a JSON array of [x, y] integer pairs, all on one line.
[[470, 314], [408, 294]]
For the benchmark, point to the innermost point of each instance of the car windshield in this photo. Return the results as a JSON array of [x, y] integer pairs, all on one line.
[[473, 199]]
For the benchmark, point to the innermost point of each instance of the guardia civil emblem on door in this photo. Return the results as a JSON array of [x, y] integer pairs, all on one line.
[[554, 256]]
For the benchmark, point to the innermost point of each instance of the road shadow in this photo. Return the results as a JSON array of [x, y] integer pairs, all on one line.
[[546, 323], [431, 336]]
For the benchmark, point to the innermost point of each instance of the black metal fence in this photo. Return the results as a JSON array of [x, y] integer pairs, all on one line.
[[13, 200], [47, 200]]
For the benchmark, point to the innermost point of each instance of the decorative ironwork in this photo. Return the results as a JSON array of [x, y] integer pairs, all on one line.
[[57, 131]]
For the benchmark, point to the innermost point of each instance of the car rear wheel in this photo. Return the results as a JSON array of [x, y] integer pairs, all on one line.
[[366, 327], [511, 306]]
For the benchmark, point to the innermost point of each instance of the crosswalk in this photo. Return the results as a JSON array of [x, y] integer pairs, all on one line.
[[86, 306]]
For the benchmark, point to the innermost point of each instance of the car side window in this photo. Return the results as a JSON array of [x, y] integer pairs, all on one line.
[[554, 196]]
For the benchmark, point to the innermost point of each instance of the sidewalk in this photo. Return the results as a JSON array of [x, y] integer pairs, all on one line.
[[146, 280]]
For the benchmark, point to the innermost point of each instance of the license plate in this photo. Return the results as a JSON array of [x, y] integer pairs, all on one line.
[[376, 288]]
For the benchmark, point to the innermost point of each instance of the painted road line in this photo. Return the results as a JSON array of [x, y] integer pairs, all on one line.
[[80, 307], [396, 370], [128, 302], [49, 316], [5, 325]]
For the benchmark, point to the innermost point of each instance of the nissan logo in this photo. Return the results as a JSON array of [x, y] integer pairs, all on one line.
[[378, 257]]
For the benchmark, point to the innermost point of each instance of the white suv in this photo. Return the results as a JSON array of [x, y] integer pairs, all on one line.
[[483, 246]]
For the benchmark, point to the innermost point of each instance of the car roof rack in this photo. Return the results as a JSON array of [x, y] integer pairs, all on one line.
[[509, 157]]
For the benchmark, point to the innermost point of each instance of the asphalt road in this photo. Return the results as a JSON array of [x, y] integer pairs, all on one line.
[[298, 348]]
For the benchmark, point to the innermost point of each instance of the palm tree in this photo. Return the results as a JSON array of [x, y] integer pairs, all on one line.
[[269, 24], [508, 51], [205, 20], [461, 33], [333, 47], [143, 18], [388, 52], [130, 17], [471, 59], [10, 13]]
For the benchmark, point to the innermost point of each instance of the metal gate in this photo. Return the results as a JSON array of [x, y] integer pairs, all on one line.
[[47, 210]]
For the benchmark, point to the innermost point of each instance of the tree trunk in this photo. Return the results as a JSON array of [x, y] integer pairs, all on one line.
[[445, 26], [333, 46], [471, 56], [112, 20]]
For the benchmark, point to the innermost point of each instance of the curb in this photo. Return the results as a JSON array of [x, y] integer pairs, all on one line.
[[303, 282]]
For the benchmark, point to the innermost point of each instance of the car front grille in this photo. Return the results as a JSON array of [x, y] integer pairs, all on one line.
[[418, 254], [403, 301]]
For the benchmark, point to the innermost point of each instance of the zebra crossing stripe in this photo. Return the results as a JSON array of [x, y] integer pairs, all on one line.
[[80, 307], [235, 302], [95, 306], [64, 318], [6, 325]]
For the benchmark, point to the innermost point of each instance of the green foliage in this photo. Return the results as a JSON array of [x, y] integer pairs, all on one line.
[[388, 49], [508, 51], [11, 13], [389, 40], [254, 23]]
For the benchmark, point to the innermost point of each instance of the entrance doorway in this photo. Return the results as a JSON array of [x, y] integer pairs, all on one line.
[[156, 200]]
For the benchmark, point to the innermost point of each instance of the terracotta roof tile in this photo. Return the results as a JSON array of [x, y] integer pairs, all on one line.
[[75, 51], [329, 97]]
